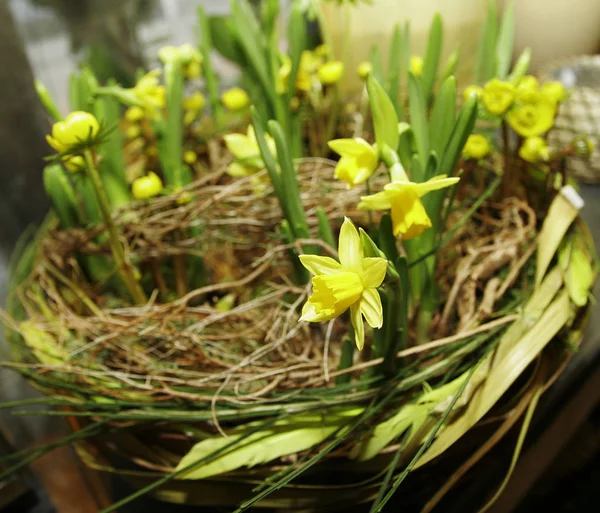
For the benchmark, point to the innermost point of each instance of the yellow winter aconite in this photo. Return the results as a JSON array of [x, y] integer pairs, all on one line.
[[476, 147], [364, 69], [331, 72], [149, 93], [403, 199], [554, 92], [350, 283], [76, 129], [247, 153], [359, 160], [147, 186], [531, 118], [498, 96]]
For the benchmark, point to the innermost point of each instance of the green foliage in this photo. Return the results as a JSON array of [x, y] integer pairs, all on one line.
[[385, 120]]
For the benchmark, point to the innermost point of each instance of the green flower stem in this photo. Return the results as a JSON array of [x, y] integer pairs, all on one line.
[[392, 161], [346, 358], [123, 267], [507, 160]]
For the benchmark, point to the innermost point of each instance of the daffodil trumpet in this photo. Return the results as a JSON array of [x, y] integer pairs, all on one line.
[[350, 284]]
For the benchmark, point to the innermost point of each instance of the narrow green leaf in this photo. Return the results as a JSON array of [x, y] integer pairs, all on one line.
[[418, 118], [406, 144], [297, 44], [417, 173], [431, 168], [405, 54], [224, 39], [486, 50], [521, 66], [210, 76], [385, 120], [325, 232], [450, 66], [346, 359], [443, 116], [377, 63], [301, 274], [394, 70], [387, 240], [431, 59], [172, 153], [61, 194], [47, 101], [506, 39]]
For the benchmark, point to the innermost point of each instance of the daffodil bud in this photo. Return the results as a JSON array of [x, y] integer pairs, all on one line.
[[582, 146], [416, 65], [190, 157], [476, 147], [330, 72], [134, 114], [77, 129], [364, 69], [534, 149], [498, 96], [554, 92], [75, 163], [147, 186], [235, 99]]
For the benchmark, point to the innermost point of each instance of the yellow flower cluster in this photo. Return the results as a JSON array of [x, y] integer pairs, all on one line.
[[149, 93], [190, 57], [476, 147], [314, 68]]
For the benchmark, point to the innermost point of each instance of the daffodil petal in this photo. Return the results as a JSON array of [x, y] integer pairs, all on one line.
[[431, 185], [358, 325], [350, 249], [377, 201], [370, 307], [310, 314], [237, 170], [319, 264], [374, 269], [350, 147], [241, 146]]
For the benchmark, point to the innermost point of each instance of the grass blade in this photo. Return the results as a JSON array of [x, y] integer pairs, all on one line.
[[506, 39], [431, 59]]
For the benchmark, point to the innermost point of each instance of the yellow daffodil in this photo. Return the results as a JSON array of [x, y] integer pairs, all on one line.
[[190, 157], [554, 92], [149, 93], [498, 96], [134, 114], [74, 163], [309, 63], [350, 283], [147, 186], [192, 106], [364, 69], [530, 119], [534, 149], [247, 153], [235, 99], [472, 89], [476, 147], [358, 160], [403, 198], [77, 128], [416, 65], [331, 72]]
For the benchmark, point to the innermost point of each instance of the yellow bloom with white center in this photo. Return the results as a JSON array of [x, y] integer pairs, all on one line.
[[235, 99], [246, 151], [403, 198], [498, 96], [364, 69], [358, 160], [416, 65], [554, 92], [531, 119], [476, 147], [76, 129], [147, 186], [350, 283], [331, 72], [472, 89], [534, 149]]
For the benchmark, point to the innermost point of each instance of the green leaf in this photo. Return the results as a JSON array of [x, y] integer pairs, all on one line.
[[521, 66], [486, 50], [43, 345], [385, 120], [377, 63], [172, 151], [325, 232], [406, 144], [387, 240], [418, 118], [289, 436], [578, 270], [297, 43], [450, 65], [443, 116], [61, 194], [267, 156], [47, 101], [210, 76], [431, 59], [506, 39], [394, 70], [224, 39], [371, 250], [431, 168]]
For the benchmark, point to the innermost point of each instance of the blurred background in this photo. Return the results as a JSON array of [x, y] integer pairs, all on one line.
[[49, 39]]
